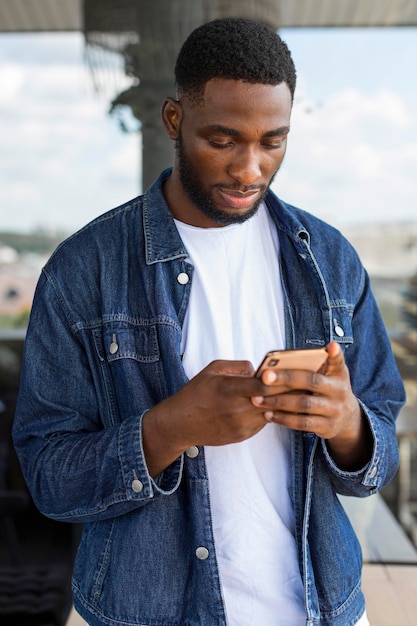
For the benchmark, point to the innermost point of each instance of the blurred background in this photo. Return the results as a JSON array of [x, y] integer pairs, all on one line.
[[81, 83]]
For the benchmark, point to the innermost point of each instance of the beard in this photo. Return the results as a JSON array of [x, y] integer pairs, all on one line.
[[202, 199]]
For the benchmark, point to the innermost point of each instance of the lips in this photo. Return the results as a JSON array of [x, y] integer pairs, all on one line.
[[239, 199]]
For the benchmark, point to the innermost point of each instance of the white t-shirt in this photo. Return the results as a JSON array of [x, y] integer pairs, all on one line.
[[236, 312]]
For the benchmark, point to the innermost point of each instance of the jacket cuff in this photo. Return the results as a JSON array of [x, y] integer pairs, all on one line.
[[368, 475], [139, 484]]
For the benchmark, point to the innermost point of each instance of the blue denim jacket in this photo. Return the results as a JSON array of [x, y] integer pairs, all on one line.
[[103, 345]]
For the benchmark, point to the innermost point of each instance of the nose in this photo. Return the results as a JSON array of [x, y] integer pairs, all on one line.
[[246, 166]]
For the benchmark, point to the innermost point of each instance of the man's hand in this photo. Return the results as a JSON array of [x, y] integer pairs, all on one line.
[[323, 404], [214, 408]]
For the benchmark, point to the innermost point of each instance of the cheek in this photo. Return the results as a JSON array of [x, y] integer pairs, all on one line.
[[275, 160], [210, 162]]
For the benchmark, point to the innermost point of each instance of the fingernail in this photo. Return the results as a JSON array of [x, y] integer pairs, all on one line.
[[270, 377], [268, 415], [258, 399]]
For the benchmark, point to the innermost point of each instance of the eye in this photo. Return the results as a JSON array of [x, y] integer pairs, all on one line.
[[272, 146], [220, 144], [277, 145]]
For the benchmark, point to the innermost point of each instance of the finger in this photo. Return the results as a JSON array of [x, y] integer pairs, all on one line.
[[231, 368], [310, 423], [336, 360], [296, 403], [243, 385], [281, 381]]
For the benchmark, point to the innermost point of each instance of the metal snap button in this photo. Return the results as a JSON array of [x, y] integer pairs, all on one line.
[[183, 278], [192, 452], [202, 553], [339, 331], [137, 485], [373, 472], [114, 346]]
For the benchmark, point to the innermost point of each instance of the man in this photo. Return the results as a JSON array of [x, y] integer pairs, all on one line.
[[209, 494]]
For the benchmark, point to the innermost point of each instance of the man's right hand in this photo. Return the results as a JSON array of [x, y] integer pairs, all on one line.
[[214, 408]]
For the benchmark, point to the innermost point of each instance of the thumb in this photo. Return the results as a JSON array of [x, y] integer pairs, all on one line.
[[232, 368], [336, 360]]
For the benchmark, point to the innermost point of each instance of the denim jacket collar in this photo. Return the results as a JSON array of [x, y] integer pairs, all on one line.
[[162, 240], [157, 219]]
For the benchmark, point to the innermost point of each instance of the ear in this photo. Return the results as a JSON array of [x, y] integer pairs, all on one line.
[[171, 116]]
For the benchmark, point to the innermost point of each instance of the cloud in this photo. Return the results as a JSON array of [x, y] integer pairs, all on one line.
[[63, 160], [352, 158], [11, 79]]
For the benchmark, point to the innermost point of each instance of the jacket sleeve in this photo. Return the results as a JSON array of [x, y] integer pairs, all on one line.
[[76, 470], [377, 384]]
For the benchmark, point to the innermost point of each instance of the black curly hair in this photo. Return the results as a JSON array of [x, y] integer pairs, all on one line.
[[233, 48]]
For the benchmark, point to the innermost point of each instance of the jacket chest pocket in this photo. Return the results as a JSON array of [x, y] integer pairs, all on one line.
[[132, 367], [139, 343]]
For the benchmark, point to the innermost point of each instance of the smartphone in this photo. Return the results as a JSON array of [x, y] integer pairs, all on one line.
[[313, 359]]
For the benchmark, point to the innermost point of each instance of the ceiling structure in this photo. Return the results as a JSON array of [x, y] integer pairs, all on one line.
[[40, 15], [67, 15], [148, 35]]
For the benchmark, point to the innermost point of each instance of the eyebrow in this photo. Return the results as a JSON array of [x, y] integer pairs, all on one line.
[[232, 132]]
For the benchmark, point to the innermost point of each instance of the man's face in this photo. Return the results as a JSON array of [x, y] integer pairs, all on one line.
[[228, 149]]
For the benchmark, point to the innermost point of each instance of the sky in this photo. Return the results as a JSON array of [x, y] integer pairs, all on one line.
[[352, 152]]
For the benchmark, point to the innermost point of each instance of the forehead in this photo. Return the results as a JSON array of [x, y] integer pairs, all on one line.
[[235, 102]]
